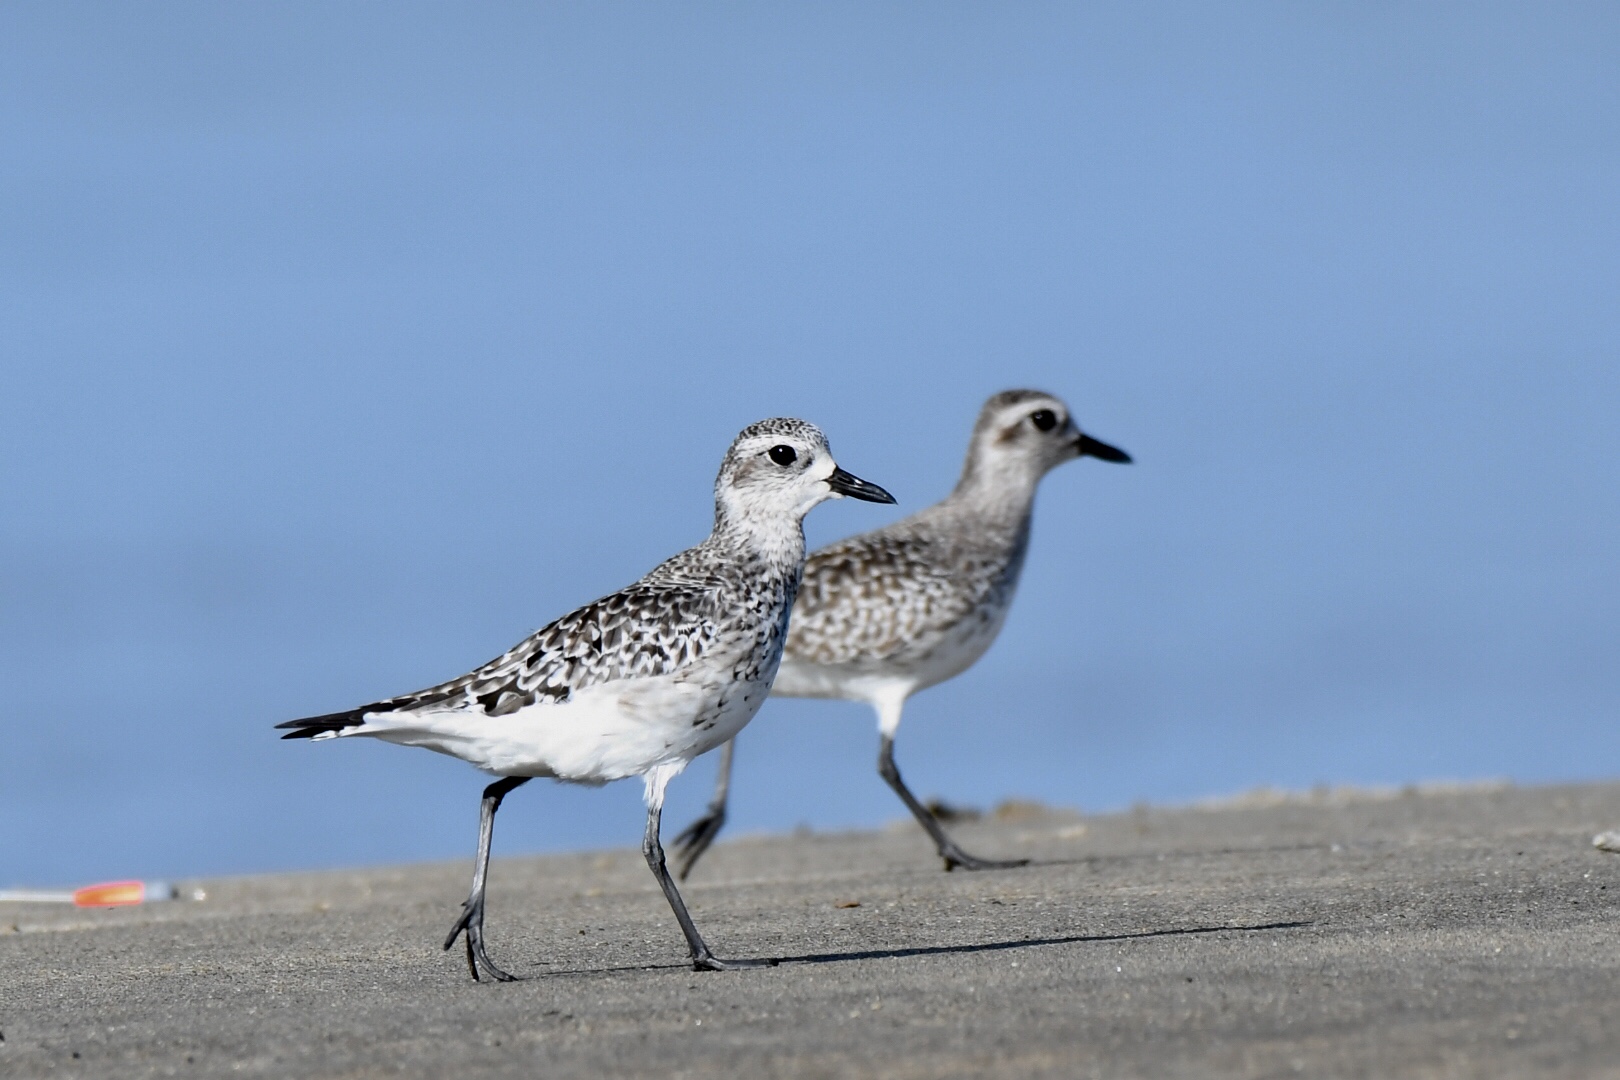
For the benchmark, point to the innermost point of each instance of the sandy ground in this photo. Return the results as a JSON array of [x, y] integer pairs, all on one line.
[[1433, 933]]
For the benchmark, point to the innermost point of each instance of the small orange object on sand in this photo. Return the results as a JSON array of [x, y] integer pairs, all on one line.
[[117, 894]]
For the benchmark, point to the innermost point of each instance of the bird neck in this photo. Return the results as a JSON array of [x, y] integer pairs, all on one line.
[[777, 541], [996, 493]]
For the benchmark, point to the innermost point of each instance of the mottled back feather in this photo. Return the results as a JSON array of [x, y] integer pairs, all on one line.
[[892, 592]]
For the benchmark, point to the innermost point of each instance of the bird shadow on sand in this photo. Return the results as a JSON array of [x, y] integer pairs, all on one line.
[[1131, 857], [949, 950], [1025, 943]]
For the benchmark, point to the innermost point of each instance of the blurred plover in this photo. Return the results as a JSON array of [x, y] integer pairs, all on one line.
[[642, 681], [890, 612]]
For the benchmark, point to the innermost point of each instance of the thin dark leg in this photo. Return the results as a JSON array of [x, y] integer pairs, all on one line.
[[472, 912], [695, 839], [953, 855], [702, 958]]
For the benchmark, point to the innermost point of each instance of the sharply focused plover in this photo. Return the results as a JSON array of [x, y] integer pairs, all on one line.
[[890, 612], [642, 681]]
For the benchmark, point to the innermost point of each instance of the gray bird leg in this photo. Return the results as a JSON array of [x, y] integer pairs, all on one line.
[[702, 958], [695, 839], [472, 912], [953, 855]]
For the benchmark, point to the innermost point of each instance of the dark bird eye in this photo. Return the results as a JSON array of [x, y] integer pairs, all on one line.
[[784, 455], [1045, 419]]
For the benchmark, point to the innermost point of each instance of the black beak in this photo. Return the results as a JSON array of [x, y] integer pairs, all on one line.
[[1096, 448], [844, 483]]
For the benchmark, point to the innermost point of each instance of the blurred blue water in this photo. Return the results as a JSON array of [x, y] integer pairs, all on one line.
[[343, 345]]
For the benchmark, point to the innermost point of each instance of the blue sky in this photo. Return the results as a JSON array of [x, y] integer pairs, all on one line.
[[342, 345]]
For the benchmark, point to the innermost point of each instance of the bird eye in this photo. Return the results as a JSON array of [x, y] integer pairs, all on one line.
[[1044, 419], [784, 455]]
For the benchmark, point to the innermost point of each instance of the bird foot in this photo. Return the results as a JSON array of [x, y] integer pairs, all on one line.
[[714, 963], [695, 839], [955, 857], [471, 923]]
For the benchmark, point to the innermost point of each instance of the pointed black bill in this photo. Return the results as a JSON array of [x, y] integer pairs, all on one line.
[[844, 483], [1096, 448]]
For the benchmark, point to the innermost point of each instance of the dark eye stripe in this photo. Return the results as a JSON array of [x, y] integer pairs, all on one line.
[[784, 455]]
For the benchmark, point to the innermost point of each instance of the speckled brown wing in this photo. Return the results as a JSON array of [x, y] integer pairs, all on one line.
[[880, 595]]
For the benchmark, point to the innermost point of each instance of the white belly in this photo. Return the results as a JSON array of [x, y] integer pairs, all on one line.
[[606, 732]]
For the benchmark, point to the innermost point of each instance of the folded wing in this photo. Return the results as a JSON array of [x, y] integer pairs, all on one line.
[[644, 630], [875, 596]]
